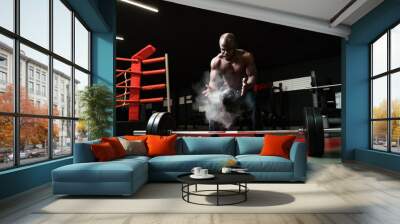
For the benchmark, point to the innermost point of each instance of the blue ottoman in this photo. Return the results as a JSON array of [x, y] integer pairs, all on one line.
[[119, 177]]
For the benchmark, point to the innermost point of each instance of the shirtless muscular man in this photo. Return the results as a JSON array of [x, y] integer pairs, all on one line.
[[233, 71]]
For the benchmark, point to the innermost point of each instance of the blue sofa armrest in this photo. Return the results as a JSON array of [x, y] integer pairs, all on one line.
[[298, 155], [83, 152]]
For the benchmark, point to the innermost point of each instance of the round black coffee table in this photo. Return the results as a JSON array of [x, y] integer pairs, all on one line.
[[238, 179]]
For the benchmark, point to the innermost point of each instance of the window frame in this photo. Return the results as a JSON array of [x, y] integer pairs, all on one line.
[[18, 40], [388, 74]]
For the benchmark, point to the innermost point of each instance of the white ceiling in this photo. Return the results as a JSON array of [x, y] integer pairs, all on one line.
[[314, 15], [319, 9]]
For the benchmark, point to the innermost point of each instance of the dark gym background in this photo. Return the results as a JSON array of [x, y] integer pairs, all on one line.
[[190, 37]]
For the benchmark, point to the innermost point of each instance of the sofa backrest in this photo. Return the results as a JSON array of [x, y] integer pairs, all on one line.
[[249, 145], [206, 145], [83, 152]]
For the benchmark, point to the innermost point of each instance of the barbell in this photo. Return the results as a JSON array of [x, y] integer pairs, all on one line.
[[163, 123]]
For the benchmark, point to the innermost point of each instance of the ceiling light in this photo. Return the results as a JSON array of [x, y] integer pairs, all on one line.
[[119, 38], [141, 5]]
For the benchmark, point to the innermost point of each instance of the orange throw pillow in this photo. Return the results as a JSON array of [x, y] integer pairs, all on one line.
[[277, 145], [135, 137], [116, 145], [161, 145], [103, 152]]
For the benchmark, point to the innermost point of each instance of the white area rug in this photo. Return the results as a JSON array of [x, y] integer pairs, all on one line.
[[166, 198]]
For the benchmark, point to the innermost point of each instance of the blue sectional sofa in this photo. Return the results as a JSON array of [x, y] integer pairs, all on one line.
[[125, 176]]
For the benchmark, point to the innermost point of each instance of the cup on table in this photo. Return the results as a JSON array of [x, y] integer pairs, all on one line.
[[226, 170], [196, 171], [203, 172]]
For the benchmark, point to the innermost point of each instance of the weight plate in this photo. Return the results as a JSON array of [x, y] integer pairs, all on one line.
[[160, 123], [150, 123], [155, 130], [166, 124], [310, 127], [317, 139]]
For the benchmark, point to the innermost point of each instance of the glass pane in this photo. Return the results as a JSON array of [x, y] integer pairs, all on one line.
[[81, 131], [81, 45], [6, 74], [62, 29], [34, 92], [6, 142], [395, 47], [35, 21], [379, 135], [62, 89], [379, 97], [33, 139], [81, 81], [379, 56], [7, 14], [395, 95], [395, 136], [62, 138]]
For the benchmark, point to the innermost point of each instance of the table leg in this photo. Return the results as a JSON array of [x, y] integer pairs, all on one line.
[[217, 194], [196, 187], [245, 193], [188, 190]]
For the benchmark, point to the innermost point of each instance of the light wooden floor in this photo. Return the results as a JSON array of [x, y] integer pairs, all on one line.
[[378, 189]]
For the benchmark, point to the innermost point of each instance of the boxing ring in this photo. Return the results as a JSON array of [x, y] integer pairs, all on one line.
[[132, 82]]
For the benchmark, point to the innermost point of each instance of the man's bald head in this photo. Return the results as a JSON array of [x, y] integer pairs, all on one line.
[[228, 39], [227, 44]]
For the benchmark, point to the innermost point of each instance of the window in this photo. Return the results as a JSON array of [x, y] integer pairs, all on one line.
[[37, 74], [34, 21], [6, 73], [62, 137], [30, 72], [44, 91], [81, 45], [6, 142], [7, 14], [3, 78], [62, 74], [37, 89], [3, 61], [62, 29], [45, 131], [385, 95], [81, 81], [30, 87]]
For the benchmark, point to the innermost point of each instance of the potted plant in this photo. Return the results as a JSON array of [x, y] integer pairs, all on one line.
[[96, 103]]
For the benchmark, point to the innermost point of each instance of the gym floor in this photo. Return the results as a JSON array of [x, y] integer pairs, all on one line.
[[350, 181]]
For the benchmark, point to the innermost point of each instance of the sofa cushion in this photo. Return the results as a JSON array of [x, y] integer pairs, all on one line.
[[103, 152], [207, 145], [257, 163], [185, 163], [161, 145], [249, 145], [116, 145], [134, 147], [112, 171], [277, 145]]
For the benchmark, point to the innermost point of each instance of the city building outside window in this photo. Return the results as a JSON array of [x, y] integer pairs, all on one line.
[[385, 94]]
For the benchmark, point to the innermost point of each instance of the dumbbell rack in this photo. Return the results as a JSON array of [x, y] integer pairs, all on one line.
[[132, 82]]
